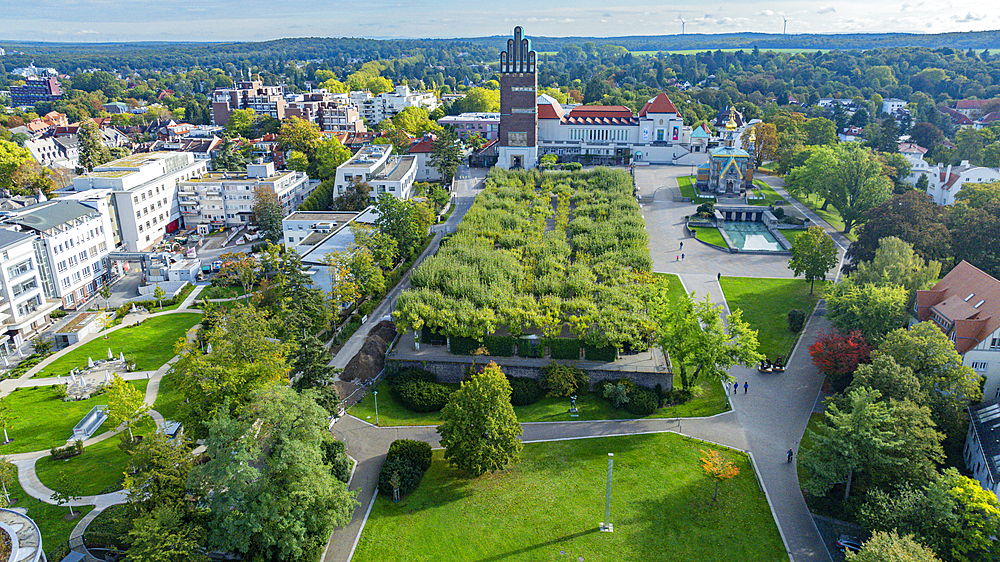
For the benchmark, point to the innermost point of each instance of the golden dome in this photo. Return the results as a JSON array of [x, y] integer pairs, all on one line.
[[731, 125]]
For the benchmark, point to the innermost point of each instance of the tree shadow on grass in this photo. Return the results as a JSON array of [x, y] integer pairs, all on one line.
[[533, 547]]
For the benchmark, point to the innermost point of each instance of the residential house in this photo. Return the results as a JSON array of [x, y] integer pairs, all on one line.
[[225, 198], [248, 94], [466, 125], [945, 182], [383, 172], [421, 150], [972, 108]]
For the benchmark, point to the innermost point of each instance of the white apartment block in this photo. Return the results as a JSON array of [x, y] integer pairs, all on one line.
[[72, 243], [24, 310], [144, 187], [300, 225], [944, 182], [383, 172], [225, 199], [387, 104]]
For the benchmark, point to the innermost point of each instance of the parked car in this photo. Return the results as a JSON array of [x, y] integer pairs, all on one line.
[[848, 542]]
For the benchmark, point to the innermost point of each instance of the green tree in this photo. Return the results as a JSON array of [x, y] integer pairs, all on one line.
[[92, 151], [366, 273], [892, 380], [126, 404], [948, 386], [896, 263], [890, 547], [162, 467], [356, 198], [297, 161], [239, 268], [403, 221], [873, 310], [856, 439], [480, 430], [849, 175], [329, 154], [158, 294], [66, 492], [912, 217], [267, 470], [384, 248], [105, 293], [819, 131], [969, 533], [267, 212], [416, 121], [694, 336], [446, 155], [311, 366], [163, 535], [227, 157], [813, 255], [7, 417], [298, 134], [242, 123], [244, 356]]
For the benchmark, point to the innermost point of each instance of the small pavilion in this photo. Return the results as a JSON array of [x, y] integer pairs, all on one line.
[[728, 171]]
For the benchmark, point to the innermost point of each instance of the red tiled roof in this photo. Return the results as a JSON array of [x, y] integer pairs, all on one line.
[[990, 117], [969, 298], [971, 104], [604, 111], [550, 111], [911, 148], [423, 145], [660, 104]]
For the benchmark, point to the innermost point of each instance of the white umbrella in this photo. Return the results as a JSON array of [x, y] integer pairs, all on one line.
[[5, 362], [209, 349], [121, 356], [90, 362], [107, 377], [133, 307], [110, 355]]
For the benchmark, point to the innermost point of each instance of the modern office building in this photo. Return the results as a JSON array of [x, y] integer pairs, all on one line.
[[24, 309], [35, 90]]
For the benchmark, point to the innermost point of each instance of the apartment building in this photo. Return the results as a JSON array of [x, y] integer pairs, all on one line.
[[35, 90], [248, 94], [225, 199], [71, 245], [466, 125], [383, 172], [386, 105], [144, 190], [24, 309]]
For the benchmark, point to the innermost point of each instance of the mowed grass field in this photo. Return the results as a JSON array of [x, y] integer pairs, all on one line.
[[548, 506], [765, 304]]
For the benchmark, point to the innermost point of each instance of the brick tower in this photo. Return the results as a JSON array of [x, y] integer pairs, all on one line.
[[517, 144]]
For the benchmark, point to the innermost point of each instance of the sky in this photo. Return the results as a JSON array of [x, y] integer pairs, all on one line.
[[253, 20]]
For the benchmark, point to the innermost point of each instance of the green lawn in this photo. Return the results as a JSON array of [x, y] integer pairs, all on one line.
[[831, 215], [150, 345], [686, 183], [96, 471], [709, 398], [42, 421], [547, 507], [169, 397], [710, 235], [674, 286], [791, 235], [770, 196], [765, 304], [49, 518]]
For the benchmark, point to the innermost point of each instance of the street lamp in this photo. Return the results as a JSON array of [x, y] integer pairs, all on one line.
[[375, 394]]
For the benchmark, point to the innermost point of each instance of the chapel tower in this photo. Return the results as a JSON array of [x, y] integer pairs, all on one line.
[[518, 134]]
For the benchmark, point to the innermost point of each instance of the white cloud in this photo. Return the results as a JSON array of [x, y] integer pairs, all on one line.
[[825, 10], [968, 17], [87, 32], [767, 13]]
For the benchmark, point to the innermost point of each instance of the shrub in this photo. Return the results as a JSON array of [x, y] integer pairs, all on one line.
[[778, 212], [564, 348], [792, 220], [463, 346], [501, 346], [617, 393], [417, 452], [573, 166], [422, 396], [675, 396], [524, 391], [642, 401], [602, 354], [394, 377], [67, 452], [796, 319], [409, 474], [562, 380], [58, 313], [706, 209], [367, 307]]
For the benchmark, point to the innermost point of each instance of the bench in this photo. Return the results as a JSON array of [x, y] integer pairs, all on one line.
[[89, 424]]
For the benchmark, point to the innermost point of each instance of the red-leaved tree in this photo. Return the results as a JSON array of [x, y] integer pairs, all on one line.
[[837, 356]]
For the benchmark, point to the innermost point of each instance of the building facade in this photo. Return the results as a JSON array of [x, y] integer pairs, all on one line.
[[71, 245], [248, 94], [225, 199], [144, 189], [386, 105], [518, 129], [466, 125], [728, 170], [24, 308], [35, 90], [383, 172], [982, 445]]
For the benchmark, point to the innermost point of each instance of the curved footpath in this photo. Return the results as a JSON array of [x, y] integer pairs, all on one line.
[[766, 421], [25, 462]]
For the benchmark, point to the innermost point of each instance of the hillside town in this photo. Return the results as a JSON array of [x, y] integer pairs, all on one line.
[[737, 304]]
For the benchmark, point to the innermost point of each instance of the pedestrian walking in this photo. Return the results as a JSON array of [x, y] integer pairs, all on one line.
[[682, 257], [736, 386], [746, 386], [677, 258], [682, 246], [718, 277]]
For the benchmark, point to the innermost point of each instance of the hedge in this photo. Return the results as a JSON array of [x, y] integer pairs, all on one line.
[[431, 337], [500, 346], [562, 380], [530, 348], [396, 377], [464, 346], [642, 401], [564, 348], [418, 452], [335, 456], [602, 354], [422, 396], [154, 305], [524, 391]]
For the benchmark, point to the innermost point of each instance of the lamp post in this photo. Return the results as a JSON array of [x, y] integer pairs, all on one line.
[[375, 394], [607, 526]]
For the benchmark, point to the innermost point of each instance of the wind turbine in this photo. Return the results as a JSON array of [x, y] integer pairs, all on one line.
[[784, 26], [682, 26]]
